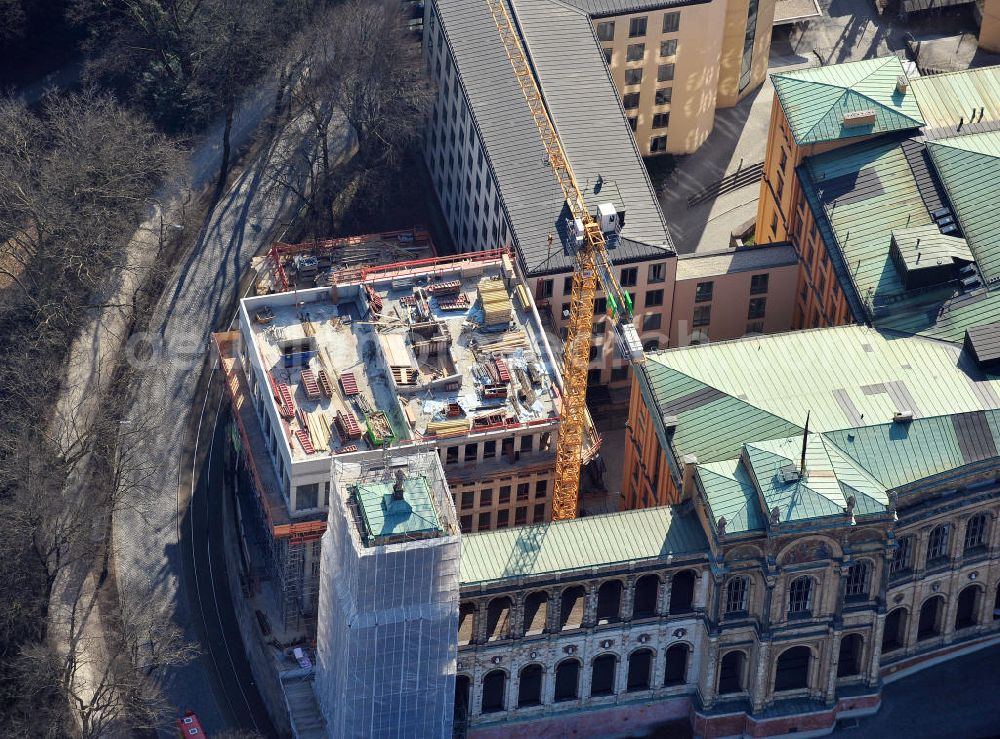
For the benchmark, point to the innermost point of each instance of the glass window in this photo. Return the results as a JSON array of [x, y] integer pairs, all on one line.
[[606, 31], [668, 48], [600, 306], [545, 289], [503, 519], [637, 27], [527, 443], [451, 455], [800, 596], [654, 298], [471, 452], [784, 158], [671, 22], [652, 321], [484, 520], [306, 496], [466, 524], [619, 373], [521, 515], [489, 449], [975, 532], [631, 101], [468, 499], [635, 52], [703, 292], [539, 513], [607, 56], [758, 284], [633, 76], [736, 595], [658, 143], [661, 120], [663, 95], [522, 491], [657, 273], [567, 285], [858, 575], [541, 488], [504, 496], [665, 73], [630, 276], [937, 545], [702, 315], [486, 497], [633, 122], [757, 307]]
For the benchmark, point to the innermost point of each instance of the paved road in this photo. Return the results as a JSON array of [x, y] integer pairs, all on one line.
[[148, 537], [958, 699]]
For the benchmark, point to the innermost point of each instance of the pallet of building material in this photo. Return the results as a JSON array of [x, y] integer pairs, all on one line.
[[494, 390], [374, 301], [487, 420], [286, 407], [451, 287], [448, 427], [459, 302], [309, 384], [503, 374], [404, 375], [348, 383], [347, 426], [347, 449], [495, 300], [324, 383], [379, 430], [453, 410], [505, 343], [319, 430], [304, 441]]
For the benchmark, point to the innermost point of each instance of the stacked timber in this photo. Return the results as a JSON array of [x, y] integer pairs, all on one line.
[[448, 427], [495, 301]]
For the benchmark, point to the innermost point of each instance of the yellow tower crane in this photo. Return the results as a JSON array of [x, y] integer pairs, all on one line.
[[592, 267]]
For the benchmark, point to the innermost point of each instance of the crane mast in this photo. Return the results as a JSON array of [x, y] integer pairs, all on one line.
[[592, 267]]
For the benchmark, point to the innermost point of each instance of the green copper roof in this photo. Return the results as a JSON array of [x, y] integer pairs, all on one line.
[[969, 166], [815, 100], [579, 544], [898, 454], [383, 516], [924, 247], [751, 390], [945, 98], [730, 493], [949, 320]]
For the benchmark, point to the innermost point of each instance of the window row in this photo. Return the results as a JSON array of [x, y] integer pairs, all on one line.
[[509, 447], [604, 680], [485, 522], [572, 605], [637, 27], [939, 544], [663, 95], [485, 497], [932, 617]]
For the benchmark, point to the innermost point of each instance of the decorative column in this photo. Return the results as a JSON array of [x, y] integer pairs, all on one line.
[[663, 596], [590, 605], [517, 615], [838, 607], [833, 659], [875, 664], [553, 607], [628, 599], [709, 681], [760, 688], [479, 632]]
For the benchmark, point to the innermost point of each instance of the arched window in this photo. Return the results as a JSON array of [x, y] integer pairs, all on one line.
[[640, 670], [602, 675], [536, 611], [567, 680], [800, 597], [647, 588], [682, 592], [975, 533], [676, 670], [937, 544], [529, 687], [849, 661], [498, 619], [731, 673], [609, 602], [792, 669], [929, 624], [571, 607], [902, 560], [737, 590], [494, 691], [858, 578], [968, 606], [463, 687], [466, 622], [894, 633]]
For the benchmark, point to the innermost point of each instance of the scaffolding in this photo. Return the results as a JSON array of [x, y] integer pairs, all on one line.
[[387, 636]]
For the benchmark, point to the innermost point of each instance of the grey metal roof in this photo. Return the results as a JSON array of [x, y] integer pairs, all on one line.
[[584, 106], [605, 8]]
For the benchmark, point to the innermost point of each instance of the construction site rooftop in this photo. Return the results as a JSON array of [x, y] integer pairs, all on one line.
[[416, 351]]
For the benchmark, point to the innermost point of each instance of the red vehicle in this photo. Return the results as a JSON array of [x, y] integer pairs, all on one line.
[[188, 725]]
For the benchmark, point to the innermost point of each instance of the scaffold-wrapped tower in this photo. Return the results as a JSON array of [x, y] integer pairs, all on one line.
[[387, 637]]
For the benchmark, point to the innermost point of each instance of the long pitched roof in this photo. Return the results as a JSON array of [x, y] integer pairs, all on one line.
[[815, 100], [581, 543], [584, 106]]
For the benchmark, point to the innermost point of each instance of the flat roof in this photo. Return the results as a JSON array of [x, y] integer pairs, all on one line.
[[386, 516], [725, 394], [701, 265], [567, 60], [426, 364], [564, 547], [816, 99], [793, 11], [944, 98]]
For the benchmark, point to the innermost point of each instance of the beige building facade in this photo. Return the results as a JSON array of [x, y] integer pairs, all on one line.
[[675, 65], [989, 25]]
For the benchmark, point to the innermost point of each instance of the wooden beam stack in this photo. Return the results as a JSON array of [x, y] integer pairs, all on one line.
[[495, 301]]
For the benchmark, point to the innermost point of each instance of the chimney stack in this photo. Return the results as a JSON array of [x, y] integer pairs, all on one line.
[[397, 487], [687, 477]]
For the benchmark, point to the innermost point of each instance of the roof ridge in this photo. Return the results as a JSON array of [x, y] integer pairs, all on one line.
[[951, 142]]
